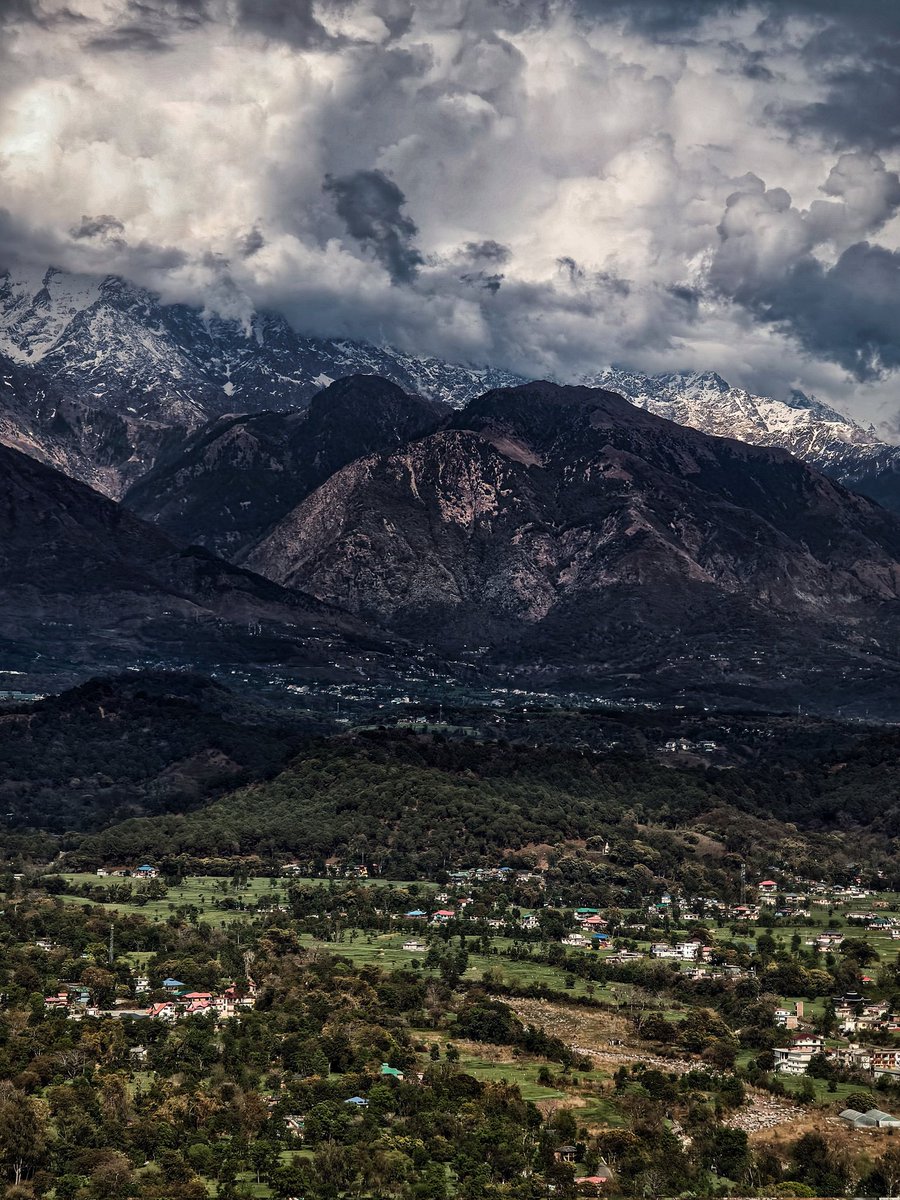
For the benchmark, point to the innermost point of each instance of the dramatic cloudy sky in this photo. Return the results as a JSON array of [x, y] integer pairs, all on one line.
[[547, 185]]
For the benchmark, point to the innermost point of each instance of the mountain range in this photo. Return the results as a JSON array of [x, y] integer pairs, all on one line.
[[99, 377], [574, 536], [804, 426]]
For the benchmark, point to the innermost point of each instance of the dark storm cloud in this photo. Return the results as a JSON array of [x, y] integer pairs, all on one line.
[[862, 104], [487, 251], [847, 311], [370, 205], [103, 226], [490, 283], [148, 27], [854, 48], [32, 12], [131, 37], [291, 21], [251, 243], [677, 17], [14, 11]]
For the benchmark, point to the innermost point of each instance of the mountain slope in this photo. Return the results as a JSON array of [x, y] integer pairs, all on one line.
[[239, 475], [808, 429], [138, 743], [84, 585], [100, 376], [566, 525]]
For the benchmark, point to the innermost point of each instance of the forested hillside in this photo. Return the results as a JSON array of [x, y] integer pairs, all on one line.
[[413, 804], [147, 743]]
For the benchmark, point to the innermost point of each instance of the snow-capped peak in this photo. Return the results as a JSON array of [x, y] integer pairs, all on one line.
[[36, 308], [705, 401]]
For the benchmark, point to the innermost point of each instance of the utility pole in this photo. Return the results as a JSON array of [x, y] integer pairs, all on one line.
[[743, 883], [112, 950]]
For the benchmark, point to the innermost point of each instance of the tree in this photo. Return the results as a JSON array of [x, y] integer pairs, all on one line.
[[728, 1153], [23, 1134]]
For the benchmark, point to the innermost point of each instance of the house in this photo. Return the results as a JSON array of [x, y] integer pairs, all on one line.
[[415, 947], [593, 1185], [102, 872], [141, 983], [173, 985], [794, 1059], [593, 922], [59, 1001], [767, 887], [530, 921], [164, 1011], [566, 1154], [357, 1102], [146, 871], [294, 1123], [389, 1072], [885, 1062], [576, 939], [138, 1053], [200, 1008], [856, 1058], [661, 950], [442, 916], [415, 915]]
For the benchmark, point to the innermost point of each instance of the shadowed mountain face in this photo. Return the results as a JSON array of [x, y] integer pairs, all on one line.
[[565, 524], [86, 584], [240, 475]]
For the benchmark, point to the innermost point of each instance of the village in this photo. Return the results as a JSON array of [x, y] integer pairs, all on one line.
[[854, 1032]]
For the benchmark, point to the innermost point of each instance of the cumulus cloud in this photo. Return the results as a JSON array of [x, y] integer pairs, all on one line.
[[771, 261], [552, 187]]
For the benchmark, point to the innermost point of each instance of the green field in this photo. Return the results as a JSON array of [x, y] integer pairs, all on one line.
[[385, 950], [201, 892]]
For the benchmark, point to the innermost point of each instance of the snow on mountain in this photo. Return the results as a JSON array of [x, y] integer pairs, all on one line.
[[802, 425], [100, 373], [99, 377], [36, 306]]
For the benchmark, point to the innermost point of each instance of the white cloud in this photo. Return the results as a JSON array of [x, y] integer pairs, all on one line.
[[557, 136]]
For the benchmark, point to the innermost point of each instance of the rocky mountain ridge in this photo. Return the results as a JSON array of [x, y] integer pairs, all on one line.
[[85, 586], [104, 381], [99, 377], [562, 526], [237, 476]]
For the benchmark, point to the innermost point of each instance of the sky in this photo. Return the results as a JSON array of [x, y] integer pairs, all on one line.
[[549, 186]]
